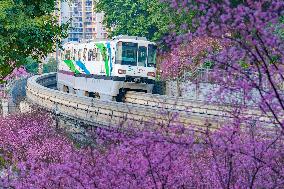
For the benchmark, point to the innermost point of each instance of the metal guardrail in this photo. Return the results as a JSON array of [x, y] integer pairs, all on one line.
[[105, 113]]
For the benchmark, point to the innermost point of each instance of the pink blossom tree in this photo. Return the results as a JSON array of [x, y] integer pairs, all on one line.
[[238, 155], [16, 73], [11, 78], [228, 158], [186, 58], [250, 60]]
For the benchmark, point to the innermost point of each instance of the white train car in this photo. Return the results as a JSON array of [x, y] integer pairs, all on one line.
[[108, 68]]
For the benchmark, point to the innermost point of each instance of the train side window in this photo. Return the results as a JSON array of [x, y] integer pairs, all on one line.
[[99, 56], [94, 54], [85, 54], [90, 55], [152, 53], [75, 55], [80, 54], [67, 55], [71, 54]]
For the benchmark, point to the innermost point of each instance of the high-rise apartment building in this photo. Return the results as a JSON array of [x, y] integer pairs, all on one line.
[[85, 23]]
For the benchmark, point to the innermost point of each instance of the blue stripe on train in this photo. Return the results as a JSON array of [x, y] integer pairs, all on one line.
[[82, 66]]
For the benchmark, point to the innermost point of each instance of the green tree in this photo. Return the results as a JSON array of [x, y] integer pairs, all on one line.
[[50, 66], [28, 28], [31, 66], [148, 18]]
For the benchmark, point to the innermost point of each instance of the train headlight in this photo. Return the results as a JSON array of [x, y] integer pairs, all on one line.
[[151, 74], [120, 71]]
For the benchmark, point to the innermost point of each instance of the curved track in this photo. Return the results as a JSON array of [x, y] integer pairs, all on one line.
[[138, 109], [106, 113]]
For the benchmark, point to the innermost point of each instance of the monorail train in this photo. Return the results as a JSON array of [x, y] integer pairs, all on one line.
[[108, 68]]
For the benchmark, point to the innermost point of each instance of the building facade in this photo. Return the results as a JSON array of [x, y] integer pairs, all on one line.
[[85, 23]]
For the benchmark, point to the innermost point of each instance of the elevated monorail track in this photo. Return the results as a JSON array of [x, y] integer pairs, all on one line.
[[195, 107], [138, 109]]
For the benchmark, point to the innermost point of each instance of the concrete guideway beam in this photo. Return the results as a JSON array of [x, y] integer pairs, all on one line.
[[110, 113], [186, 105], [94, 110]]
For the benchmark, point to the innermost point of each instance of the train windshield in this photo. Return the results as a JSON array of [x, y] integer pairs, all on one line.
[[152, 53], [127, 53]]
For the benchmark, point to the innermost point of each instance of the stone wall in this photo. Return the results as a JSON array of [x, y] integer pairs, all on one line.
[[208, 92]]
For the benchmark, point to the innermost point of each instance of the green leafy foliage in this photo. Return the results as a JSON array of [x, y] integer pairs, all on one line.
[[31, 66], [28, 28], [149, 18], [280, 30], [50, 66], [2, 162]]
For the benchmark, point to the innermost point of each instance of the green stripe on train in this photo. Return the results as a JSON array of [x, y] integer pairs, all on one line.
[[71, 66], [103, 50]]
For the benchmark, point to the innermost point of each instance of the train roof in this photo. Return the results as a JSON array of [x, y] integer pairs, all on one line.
[[116, 38], [129, 37]]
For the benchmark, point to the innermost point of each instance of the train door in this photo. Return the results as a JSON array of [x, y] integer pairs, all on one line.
[[142, 58]]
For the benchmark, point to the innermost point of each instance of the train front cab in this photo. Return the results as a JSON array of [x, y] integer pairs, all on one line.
[[135, 61]]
